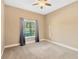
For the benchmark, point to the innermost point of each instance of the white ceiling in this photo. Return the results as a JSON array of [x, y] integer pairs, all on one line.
[[27, 5]]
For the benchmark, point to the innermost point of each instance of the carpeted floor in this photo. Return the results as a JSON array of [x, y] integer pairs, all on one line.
[[42, 50]]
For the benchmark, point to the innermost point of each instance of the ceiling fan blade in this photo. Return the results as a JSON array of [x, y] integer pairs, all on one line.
[[35, 4], [48, 4]]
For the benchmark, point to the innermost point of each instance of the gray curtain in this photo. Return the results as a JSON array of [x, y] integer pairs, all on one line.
[[22, 37], [37, 32]]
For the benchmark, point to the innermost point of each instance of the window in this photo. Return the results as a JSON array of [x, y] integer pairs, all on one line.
[[29, 28]]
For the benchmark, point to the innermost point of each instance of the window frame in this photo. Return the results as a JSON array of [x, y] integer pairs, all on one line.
[[28, 20]]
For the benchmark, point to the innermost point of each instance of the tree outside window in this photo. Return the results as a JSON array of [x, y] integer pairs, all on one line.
[[29, 28]]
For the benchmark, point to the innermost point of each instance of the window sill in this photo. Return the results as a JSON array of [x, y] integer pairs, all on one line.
[[30, 37]]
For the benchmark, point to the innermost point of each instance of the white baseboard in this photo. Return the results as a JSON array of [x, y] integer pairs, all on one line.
[[42, 39], [13, 45], [62, 45], [57, 43]]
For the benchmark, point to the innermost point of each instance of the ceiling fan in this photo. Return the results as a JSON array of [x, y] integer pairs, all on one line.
[[42, 3]]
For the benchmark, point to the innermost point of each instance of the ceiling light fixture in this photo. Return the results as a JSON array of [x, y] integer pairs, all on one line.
[[42, 3]]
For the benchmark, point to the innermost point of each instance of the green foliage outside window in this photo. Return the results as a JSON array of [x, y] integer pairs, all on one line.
[[29, 29]]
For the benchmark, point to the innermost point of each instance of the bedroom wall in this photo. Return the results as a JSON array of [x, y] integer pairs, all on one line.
[[59, 26], [13, 23], [62, 25]]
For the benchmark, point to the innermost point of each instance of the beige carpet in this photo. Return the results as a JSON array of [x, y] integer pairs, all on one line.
[[42, 50]]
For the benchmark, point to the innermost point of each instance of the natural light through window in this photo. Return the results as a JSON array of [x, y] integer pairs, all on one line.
[[29, 28]]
